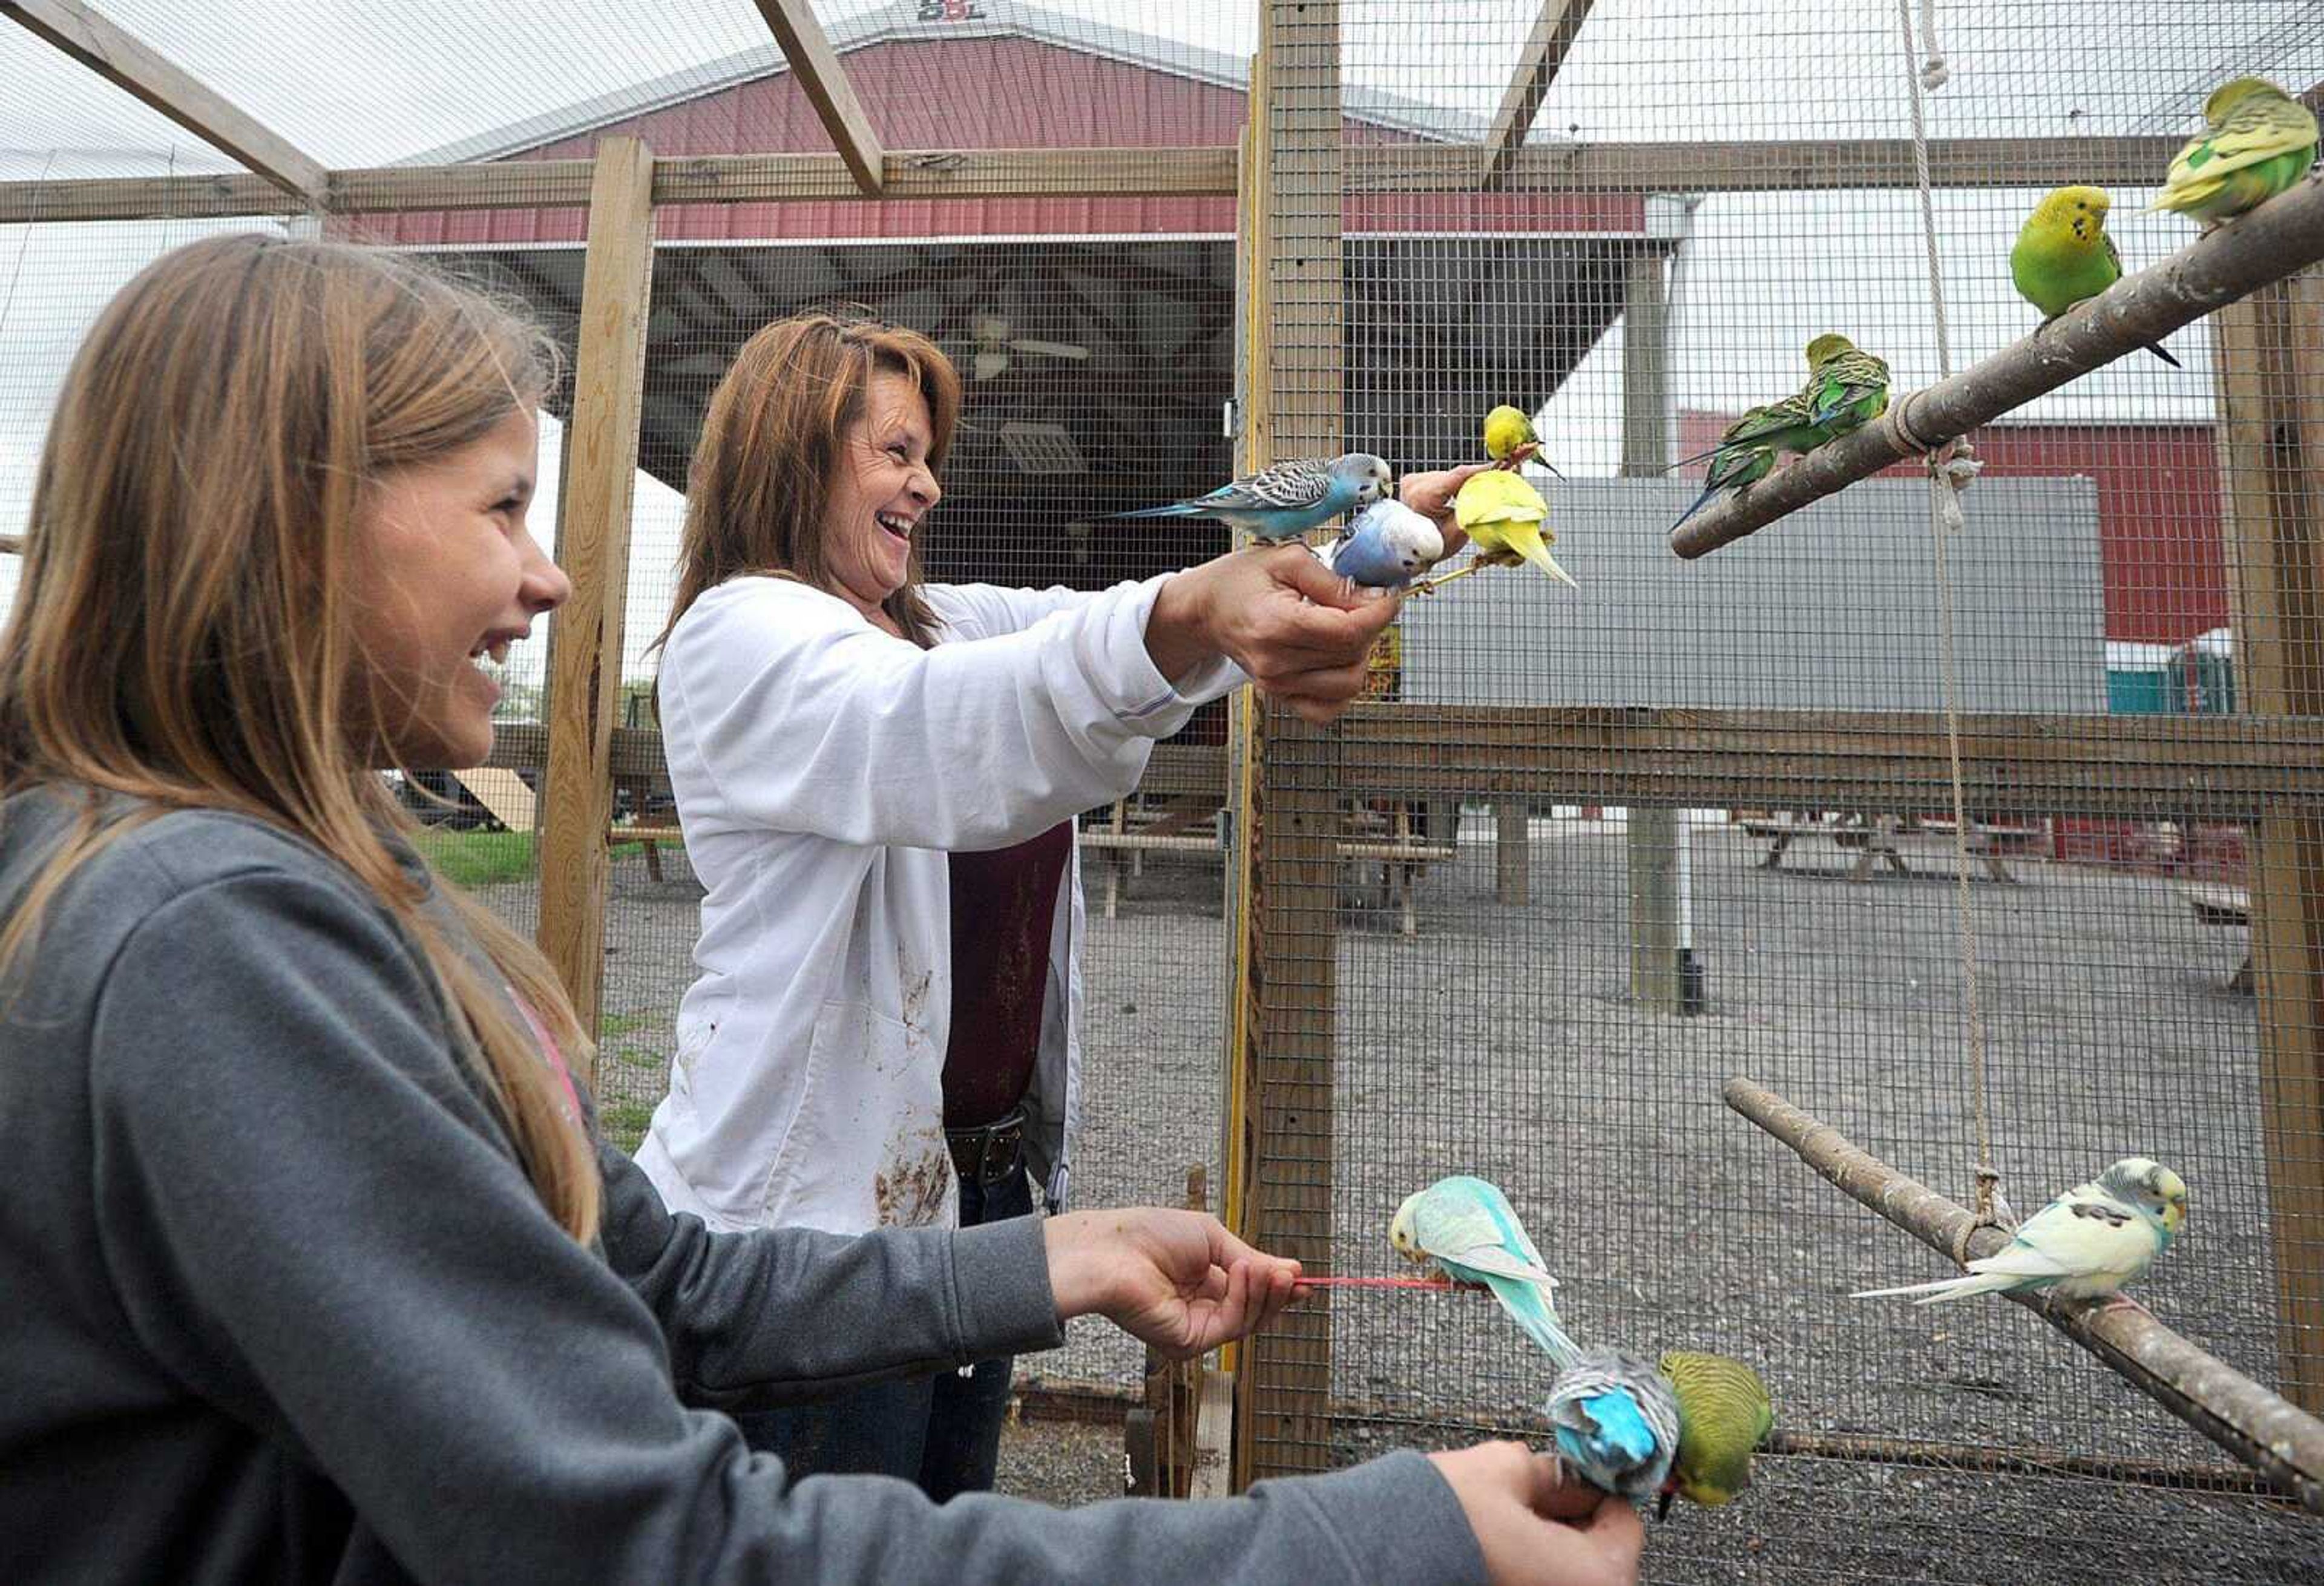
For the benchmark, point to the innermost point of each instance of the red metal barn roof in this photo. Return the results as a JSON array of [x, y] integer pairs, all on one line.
[[986, 92]]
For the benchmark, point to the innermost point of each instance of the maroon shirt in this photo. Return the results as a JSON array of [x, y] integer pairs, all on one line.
[[1003, 903]]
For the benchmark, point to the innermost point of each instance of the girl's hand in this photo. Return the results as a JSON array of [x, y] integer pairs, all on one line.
[[1177, 1281]]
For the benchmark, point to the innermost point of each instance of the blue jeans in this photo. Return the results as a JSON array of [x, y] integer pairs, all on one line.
[[941, 1431]]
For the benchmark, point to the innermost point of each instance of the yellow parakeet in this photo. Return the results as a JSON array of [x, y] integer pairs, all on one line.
[[1509, 437], [1508, 522], [2260, 141]]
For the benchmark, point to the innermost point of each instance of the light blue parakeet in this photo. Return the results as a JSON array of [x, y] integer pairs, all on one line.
[[2091, 1241], [1386, 545], [1288, 498], [1466, 1227], [1616, 1420]]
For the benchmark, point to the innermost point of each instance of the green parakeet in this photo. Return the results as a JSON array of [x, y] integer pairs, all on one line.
[[2063, 254], [1846, 388], [1724, 1414], [1467, 1227], [2260, 140], [1747, 451], [2091, 1241]]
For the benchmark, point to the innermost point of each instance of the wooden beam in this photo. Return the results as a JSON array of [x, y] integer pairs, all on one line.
[[592, 545], [719, 179], [130, 64], [1177, 173], [2150, 767], [1281, 1091], [1804, 164], [808, 48], [1538, 62], [2271, 376], [2282, 1443], [2215, 767], [2280, 237]]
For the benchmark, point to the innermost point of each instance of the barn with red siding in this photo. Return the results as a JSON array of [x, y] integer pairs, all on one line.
[[1097, 336]]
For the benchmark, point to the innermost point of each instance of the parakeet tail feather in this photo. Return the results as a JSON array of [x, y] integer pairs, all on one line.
[[1945, 1289]]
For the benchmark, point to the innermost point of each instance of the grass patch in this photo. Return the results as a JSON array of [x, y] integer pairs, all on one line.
[[480, 859], [625, 1124], [614, 1025]]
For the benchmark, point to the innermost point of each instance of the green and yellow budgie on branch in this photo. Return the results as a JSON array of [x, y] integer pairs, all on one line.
[[2063, 255], [1846, 387], [2260, 140]]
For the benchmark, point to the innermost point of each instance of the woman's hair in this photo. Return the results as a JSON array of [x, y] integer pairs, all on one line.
[[758, 493], [183, 632]]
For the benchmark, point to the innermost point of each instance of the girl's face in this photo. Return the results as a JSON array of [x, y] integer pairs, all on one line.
[[882, 491], [447, 576]]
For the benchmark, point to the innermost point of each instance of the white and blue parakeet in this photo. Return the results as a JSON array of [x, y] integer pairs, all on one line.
[[1386, 545], [1468, 1229], [1616, 1420], [2091, 1241], [1285, 500]]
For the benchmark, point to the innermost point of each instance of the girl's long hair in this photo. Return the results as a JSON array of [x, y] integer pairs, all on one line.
[[183, 634], [758, 494]]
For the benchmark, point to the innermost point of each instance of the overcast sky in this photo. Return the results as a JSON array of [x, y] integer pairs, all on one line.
[[357, 83]]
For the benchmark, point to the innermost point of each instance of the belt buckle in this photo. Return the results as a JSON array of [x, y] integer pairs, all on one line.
[[1002, 1143]]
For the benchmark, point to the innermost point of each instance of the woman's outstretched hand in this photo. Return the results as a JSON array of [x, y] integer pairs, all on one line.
[[1177, 1281], [1297, 628]]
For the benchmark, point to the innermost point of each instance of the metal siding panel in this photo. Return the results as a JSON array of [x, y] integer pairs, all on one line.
[[1832, 612]]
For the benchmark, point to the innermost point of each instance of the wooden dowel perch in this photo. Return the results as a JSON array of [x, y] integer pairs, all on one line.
[[2280, 238], [2282, 1443]]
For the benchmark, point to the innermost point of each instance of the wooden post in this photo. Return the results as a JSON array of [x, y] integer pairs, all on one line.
[[1653, 834], [2271, 360], [1512, 851], [1287, 977], [593, 544]]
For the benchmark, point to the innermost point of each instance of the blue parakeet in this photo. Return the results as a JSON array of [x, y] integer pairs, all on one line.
[[1616, 1420], [1285, 500], [1386, 545], [2091, 1241], [1467, 1227]]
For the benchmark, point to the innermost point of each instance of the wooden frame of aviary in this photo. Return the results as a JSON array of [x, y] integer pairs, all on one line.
[[2265, 766]]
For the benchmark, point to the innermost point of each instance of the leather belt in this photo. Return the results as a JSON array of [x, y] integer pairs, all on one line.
[[989, 1153]]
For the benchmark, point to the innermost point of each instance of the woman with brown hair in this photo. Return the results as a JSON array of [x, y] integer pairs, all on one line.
[[876, 778], [312, 1266]]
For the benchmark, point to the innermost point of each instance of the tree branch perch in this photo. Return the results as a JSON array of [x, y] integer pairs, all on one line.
[[2282, 1443], [2280, 238]]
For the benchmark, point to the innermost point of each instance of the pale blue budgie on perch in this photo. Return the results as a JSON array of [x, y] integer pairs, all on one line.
[[1467, 1227], [1288, 498], [2091, 1241]]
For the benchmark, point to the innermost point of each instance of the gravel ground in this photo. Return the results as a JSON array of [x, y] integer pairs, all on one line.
[[1502, 1041]]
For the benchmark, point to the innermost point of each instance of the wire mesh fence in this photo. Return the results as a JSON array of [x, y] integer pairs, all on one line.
[[1588, 852]]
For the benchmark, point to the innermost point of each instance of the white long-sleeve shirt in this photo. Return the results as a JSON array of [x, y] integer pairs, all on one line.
[[822, 770]]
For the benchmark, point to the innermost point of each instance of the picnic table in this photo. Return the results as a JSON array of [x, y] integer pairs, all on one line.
[[1872, 837]]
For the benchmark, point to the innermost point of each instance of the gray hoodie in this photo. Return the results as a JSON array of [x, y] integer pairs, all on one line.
[[278, 1304]]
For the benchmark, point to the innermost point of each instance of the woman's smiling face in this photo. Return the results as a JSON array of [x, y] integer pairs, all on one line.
[[882, 491]]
